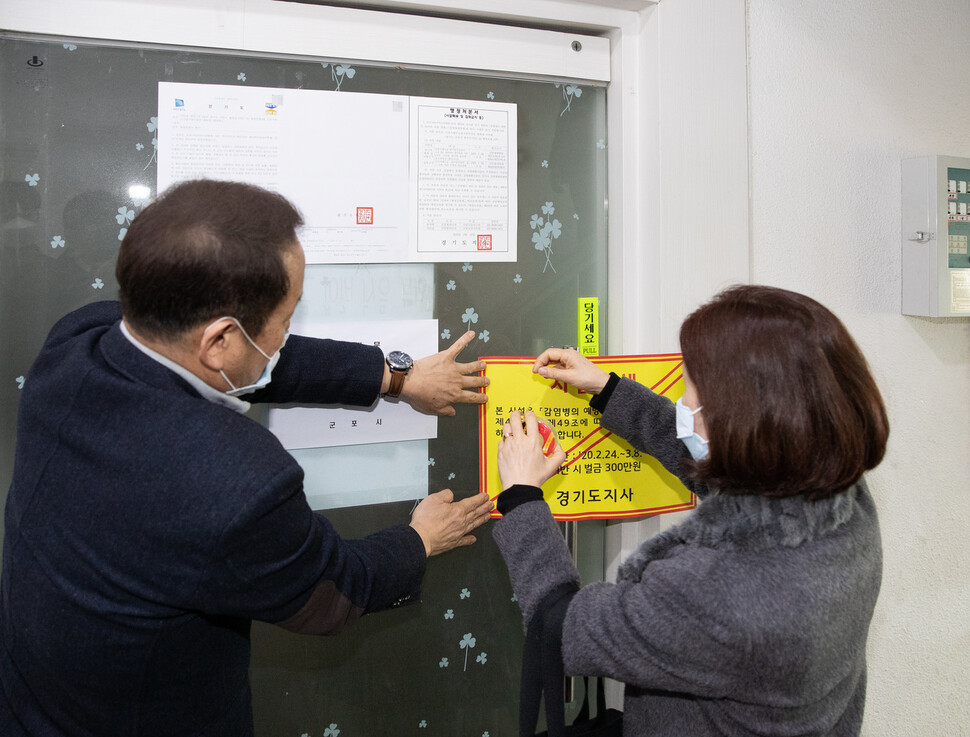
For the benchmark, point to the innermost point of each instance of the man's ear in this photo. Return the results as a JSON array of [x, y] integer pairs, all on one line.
[[216, 343]]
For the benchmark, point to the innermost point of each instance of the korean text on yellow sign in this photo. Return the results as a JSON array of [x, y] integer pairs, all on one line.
[[603, 476]]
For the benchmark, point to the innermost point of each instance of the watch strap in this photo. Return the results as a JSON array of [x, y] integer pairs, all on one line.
[[397, 383]]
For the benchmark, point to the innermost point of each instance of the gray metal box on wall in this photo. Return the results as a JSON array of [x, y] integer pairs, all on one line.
[[935, 230]]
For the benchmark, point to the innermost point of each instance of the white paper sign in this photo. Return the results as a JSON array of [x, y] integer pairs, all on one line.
[[387, 420], [378, 178], [371, 474], [463, 174], [959, 290]]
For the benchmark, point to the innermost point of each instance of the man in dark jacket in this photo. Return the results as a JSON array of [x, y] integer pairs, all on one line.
[[149, 521]]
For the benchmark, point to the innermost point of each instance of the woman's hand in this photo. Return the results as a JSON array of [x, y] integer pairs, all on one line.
[[571, 367], [520, 457]]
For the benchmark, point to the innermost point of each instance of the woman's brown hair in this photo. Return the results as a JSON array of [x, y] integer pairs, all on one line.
[[789, 403]]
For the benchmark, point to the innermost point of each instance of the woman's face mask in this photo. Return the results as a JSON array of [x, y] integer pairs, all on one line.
[[266, 376], [697, 445]]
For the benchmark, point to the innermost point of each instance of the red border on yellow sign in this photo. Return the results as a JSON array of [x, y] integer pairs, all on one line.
[[521, 389]]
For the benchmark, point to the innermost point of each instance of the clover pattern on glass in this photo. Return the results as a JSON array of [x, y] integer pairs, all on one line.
[[546, 229], [467, 643], [340, 72], [152, 126], [570, 92], [124, 218], [124, 215]]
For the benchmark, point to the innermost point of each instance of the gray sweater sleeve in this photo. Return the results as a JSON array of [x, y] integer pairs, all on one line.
[[641, 633], [659, 632], [536, 554]]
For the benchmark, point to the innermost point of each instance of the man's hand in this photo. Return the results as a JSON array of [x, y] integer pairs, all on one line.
[[444, 524], [438, 382]]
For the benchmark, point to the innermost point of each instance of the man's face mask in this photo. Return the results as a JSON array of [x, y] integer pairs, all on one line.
[[266, 376], [685, 431]]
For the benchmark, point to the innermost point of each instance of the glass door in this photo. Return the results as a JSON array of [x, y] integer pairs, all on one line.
[[77, 155]]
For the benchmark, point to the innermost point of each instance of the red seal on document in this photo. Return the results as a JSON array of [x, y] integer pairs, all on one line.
[[365, 215], [485, 243]]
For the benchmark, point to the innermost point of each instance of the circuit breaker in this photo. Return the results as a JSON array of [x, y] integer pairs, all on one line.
[[935, 230]]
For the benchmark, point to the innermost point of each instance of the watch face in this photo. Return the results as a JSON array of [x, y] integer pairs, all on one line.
[[399, 361]]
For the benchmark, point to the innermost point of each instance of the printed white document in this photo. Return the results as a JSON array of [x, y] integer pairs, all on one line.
[[378, 178], [387, 420]]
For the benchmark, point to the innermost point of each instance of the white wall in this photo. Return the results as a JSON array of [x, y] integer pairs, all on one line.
[[839, 93], [694, 234], [686, 218]]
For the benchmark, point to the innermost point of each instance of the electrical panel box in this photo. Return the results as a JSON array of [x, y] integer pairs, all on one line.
[[935, 230]]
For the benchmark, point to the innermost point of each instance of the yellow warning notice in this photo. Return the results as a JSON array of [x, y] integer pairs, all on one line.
[[603, 477]]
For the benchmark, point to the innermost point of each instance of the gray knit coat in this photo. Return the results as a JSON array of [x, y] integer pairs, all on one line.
[[748, 618]]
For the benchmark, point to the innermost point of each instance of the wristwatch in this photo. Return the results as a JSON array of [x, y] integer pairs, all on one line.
[[400, 364]]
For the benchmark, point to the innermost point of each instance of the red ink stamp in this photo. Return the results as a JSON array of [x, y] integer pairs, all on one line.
[[485, 243], [365, 215]]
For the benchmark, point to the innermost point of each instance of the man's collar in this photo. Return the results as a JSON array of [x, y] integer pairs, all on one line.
[[208, 392]]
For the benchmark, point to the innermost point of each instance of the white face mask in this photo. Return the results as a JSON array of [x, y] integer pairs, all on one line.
[[685, 431], [266, 376]]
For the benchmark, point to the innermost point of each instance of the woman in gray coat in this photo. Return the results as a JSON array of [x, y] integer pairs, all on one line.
[[751, 616]]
